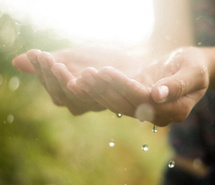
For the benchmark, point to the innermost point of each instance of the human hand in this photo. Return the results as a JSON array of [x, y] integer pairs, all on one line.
[[58, 71], [176, 84], [54, 76]]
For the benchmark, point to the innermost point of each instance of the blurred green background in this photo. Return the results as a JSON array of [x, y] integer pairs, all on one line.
[[42, 144]]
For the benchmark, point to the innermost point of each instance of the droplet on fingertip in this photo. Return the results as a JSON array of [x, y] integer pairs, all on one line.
[[154, 129], [119, 115]]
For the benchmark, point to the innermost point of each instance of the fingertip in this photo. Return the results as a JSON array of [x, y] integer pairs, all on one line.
[[105, 73], [80, 82], [72, 86], [32, 52], [32, 55], [23, 64], [89, 70], [61, 72]]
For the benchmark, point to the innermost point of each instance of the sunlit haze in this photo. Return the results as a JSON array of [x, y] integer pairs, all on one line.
[[127, 22]]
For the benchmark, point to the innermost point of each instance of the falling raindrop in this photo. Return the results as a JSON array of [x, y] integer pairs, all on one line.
[[119, 115], [145, 147], [14, 83], [171, 164], [111, 144], [154, 129], [10, 118]]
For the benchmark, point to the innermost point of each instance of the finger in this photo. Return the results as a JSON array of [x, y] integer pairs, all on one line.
[[46, 61], [23, 64], [181, 83], [176, 111], [132, 90], [33, 58], [82, 84], [107, 93], [83, 98], [74, 96]]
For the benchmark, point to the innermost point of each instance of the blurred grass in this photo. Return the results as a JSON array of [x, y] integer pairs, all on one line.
[[46, 145]]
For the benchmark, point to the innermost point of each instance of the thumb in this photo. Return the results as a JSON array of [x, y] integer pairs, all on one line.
[[181, 83], [22, 63]]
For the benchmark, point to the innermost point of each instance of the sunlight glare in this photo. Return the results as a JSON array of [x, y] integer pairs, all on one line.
[[128, 22]]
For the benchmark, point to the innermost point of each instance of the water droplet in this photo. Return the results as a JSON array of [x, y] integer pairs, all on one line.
[[145, 112], [154, 129], [145, 147], [14, 83], [119, 115], [111, 144], [10, 118], [171, 164], [199, 43]]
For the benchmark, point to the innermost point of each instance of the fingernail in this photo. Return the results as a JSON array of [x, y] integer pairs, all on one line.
[[89, 78], [82, 85], [163, 93], [105, 77]]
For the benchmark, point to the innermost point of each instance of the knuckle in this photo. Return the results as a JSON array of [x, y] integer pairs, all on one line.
[[204, 77], [181, 87]]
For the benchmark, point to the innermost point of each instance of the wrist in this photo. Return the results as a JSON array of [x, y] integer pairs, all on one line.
[[210, 64]]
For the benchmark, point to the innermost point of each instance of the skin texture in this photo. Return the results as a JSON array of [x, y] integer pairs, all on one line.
[[94, 79]]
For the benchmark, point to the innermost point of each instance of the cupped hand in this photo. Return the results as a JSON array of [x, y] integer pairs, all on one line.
[[164, 92], [58, 72], [54, 76]]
